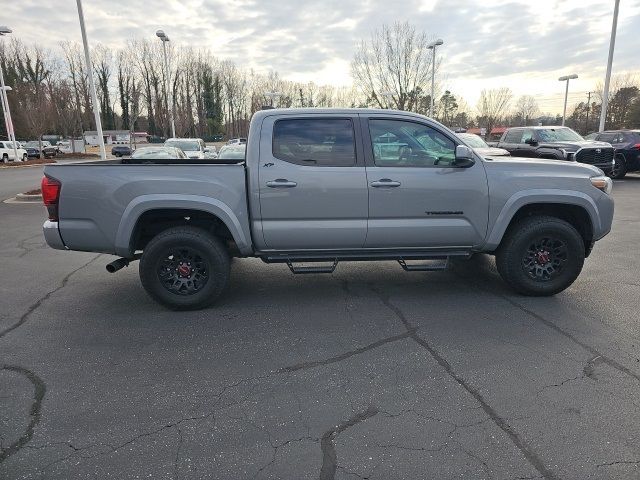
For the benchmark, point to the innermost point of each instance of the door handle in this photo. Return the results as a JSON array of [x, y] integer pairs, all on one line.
[[385, 183], [281, 183]]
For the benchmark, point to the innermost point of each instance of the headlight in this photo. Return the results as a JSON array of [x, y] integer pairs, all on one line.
[[568, 155], [602, 183]]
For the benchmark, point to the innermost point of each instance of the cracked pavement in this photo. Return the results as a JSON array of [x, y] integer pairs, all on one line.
[[369, 373]]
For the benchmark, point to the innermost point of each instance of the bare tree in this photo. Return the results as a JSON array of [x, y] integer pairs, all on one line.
[[526, 108], [395, 63], [492, 106]]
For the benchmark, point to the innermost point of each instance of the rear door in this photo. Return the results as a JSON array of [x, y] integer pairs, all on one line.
[[417, 197], [312, 182]]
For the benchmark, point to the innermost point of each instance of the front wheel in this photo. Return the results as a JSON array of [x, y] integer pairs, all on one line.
[[540, 256], [619, 168], [5, 158], [185, 268]]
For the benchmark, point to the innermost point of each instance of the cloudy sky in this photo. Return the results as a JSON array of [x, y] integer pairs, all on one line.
[[524, 45]]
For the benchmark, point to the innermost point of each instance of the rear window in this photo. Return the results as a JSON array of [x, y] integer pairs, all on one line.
[[607, 137], [320, 142]]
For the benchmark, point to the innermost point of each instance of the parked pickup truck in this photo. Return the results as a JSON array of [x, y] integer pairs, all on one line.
[[322, 186], [560, 143]]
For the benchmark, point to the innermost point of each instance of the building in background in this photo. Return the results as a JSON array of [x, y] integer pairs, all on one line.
[[115, 137]]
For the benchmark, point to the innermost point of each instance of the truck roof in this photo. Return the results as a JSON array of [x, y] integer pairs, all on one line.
[[345, 111]]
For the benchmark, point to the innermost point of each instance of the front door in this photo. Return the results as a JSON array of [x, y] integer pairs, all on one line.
[[313, 187], [418, 198]]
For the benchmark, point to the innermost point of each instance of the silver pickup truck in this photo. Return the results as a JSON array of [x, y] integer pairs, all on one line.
[[322, 186]]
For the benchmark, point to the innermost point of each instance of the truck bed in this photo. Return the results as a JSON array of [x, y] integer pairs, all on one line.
[[100, 202]]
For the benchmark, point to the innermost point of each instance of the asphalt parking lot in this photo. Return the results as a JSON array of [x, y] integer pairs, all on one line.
[[367, 373]]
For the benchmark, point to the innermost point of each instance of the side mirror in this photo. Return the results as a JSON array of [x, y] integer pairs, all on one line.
[[464, 157], [207, 150], [531, 141]]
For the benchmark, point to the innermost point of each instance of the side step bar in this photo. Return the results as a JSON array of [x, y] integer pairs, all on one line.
[[432, 260]]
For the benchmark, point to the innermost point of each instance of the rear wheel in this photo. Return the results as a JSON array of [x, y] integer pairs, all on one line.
[[619, 167], [185, 268], [5, 158], [25, 157], [540, 256]]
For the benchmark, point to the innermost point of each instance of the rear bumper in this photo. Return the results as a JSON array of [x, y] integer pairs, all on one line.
[[52, 235]]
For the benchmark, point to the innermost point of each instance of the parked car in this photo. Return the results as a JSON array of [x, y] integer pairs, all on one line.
[[236, 141], [318, 186], [480, 146], [64, 146], [232, 152], [159, 152], [7, 154], [560, 143], [121, 150], [48, 151], [627, 150], [193, 147]]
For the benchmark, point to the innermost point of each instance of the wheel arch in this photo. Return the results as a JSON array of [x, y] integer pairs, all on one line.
[[149, 214], [576, 208]]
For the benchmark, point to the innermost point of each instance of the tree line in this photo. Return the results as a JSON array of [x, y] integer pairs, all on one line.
[[390, 69]]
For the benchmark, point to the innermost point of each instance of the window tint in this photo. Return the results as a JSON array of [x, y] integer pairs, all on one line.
[[398, 143], [315, 142], [608, 137], [513, 136], [526, 135]]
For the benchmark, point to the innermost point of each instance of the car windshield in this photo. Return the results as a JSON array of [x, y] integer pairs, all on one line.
[[473, 140], [558, 135], [232, 152], [184, 145], [157, 152]]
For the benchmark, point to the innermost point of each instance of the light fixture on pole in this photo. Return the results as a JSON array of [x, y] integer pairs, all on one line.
[[607, 79], [165, 38], [566, 78], [92, 85], [4, 30], [272, 95], [432, 46]]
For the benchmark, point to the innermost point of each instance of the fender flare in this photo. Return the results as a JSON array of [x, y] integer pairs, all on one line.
[[528, 197], [145, 203]]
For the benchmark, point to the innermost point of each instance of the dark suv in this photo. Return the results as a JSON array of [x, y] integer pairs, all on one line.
[[560, 143], [627, 150]]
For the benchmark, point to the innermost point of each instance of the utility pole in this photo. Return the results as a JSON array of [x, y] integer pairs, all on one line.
[[5, 105], [432, 46], [586, 122], [566, 79], [607, 80], [167, 84]]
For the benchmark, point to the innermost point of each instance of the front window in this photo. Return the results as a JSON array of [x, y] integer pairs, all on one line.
[[184, 145], [398, 143], [562, 134]]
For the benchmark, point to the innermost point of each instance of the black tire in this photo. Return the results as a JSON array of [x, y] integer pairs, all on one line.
[[25, 157], [164, 269], [5, 158], [540, 256], [619, 167]]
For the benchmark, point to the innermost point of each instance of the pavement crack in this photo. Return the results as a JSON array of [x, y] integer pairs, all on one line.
[[619, 462], [176, 460], [559, 384], [526, 450], [39, 390], [344, 356], [329, 455], [28, 248], [25, 316]]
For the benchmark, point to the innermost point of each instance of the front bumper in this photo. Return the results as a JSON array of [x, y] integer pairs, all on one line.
[[52, 235]]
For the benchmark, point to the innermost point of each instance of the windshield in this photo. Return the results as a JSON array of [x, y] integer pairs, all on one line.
[[157, 152], [184, 145], [558, 135], [232, 152], [473, 140]]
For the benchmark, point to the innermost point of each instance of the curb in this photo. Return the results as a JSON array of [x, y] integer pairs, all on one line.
[[22, 198]]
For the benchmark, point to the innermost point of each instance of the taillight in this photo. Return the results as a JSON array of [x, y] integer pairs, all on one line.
[[50, 195], [637, 146]]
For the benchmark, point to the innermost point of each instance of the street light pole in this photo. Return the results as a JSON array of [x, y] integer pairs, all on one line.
[[5, 105], [566, 78], [92, 85], [272, 95], [607, 80], [432, 46], [165, 38]]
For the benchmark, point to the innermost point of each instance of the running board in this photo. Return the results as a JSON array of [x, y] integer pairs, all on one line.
[[431, 266], [359, 255], [298, 270]]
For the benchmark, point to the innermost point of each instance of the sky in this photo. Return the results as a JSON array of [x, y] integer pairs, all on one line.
[[523, 45]]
